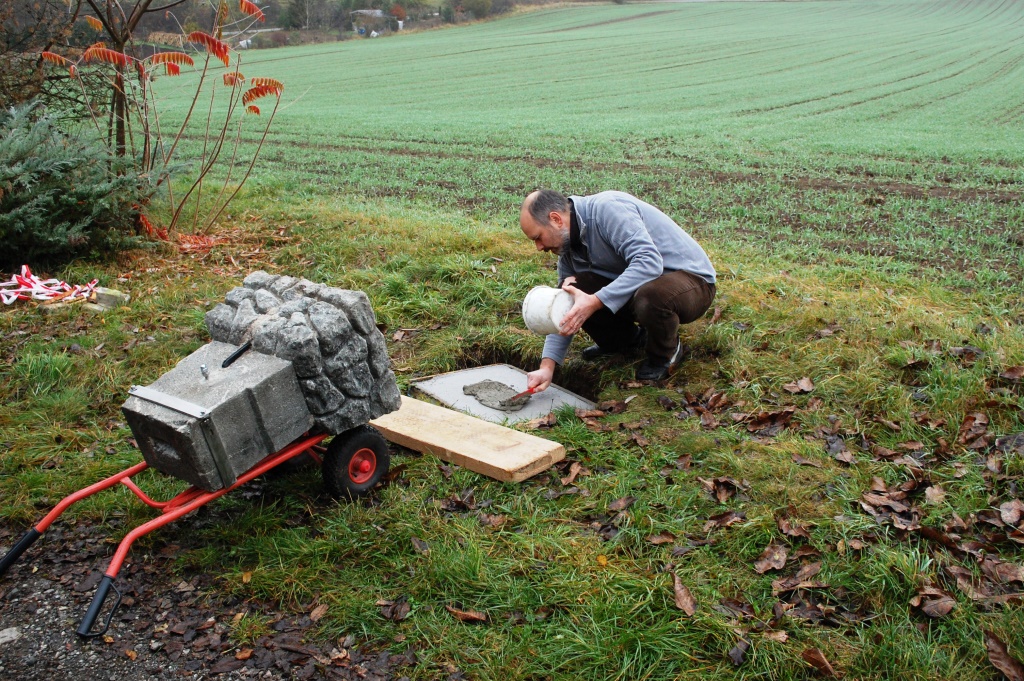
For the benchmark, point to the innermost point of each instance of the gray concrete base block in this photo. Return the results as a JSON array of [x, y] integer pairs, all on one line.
[[253, 408]]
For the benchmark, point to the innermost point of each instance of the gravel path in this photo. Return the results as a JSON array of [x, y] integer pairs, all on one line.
[[166, 627]]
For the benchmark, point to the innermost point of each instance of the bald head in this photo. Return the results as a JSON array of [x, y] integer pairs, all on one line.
[[544, 219]]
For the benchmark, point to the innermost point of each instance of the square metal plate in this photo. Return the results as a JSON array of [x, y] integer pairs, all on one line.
[[447, 389]]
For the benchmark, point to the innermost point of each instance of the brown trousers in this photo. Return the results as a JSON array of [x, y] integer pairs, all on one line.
[[659, 306]]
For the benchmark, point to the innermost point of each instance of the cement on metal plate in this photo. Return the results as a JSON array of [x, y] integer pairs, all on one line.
[[447, 389]]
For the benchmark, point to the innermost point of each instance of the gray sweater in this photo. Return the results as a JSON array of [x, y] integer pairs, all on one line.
[[629, 241]]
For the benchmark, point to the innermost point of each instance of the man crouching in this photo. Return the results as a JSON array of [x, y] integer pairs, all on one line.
[[625, 263]]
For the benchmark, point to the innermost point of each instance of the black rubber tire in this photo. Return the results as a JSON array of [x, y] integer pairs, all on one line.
[[364, 444]]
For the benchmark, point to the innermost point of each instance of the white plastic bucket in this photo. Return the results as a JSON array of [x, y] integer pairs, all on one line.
[[544, 308]]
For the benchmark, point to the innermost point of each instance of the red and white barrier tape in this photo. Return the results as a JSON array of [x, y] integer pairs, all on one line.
[[28, 286]]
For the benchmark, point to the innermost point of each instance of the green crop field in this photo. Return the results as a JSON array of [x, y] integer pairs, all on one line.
[[855, 170], [899, 121], [910, 79]]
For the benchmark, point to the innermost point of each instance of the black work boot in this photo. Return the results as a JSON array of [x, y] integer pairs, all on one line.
[[595, 352], [657, 368]]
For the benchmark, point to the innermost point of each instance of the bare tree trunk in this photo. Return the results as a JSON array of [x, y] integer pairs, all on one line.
[[120, 114]]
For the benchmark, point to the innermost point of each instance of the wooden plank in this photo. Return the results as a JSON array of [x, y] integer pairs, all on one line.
[[487, 448]]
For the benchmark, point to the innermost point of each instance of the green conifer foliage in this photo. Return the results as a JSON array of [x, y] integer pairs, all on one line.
[[61, 195]]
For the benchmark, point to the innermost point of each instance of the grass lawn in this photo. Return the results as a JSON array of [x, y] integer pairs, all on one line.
[[853, 169]]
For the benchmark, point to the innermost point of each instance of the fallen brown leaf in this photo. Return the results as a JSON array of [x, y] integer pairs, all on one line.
[[792, 529], [684, 599], [639, 440], [734, 607], [590, 413], [1000, 571], [891, 425], [496, 520], [816, 659], [801, 580], [574, 469], [722, 488], [934, 495], [621, 504], [1013, 373], [318, 612], [396, 610], [967, 584], [807, 551], [661, 538], [770, 423], [724, 520], [778, 636], [801, 461], [1011, 512], [613, 406], [467, 615], [1001, 659], [772, 558], [804, 385], [738, 651], [974, 431], [967, 353], [933, 602], [421, 546], [542, 422], [244, 654]]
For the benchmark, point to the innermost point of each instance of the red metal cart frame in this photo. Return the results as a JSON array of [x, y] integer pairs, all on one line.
[[170, 510]]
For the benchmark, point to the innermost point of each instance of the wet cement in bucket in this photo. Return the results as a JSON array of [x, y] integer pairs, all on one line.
[[496, 395]]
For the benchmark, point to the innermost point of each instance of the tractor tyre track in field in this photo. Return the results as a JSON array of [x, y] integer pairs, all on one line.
[[635, 17], [911, 88], [995, 244], [799, 182]]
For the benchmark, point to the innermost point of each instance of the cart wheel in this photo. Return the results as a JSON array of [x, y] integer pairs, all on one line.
[[356, 460]]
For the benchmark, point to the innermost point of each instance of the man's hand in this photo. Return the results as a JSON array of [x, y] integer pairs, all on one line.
[[540, 379], [583, 305]]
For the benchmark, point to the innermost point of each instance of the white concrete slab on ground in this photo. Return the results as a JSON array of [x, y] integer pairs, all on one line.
[[447, 389]]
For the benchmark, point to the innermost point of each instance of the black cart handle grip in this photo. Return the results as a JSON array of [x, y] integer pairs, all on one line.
[[242, 349], [97, 604], [27, 540]]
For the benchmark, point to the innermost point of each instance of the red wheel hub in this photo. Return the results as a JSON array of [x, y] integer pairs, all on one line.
[[362, 465]]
